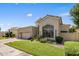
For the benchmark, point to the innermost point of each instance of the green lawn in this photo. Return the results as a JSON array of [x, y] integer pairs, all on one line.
[[72, 48], [37, 48], [3, 38]]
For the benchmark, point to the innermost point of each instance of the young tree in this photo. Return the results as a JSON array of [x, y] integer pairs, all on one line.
[[75, 15], [0, 29], [9, 34], [72, 30], [6, 34]]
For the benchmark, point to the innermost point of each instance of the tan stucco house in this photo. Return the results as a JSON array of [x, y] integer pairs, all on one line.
[[48, 27], [51, 26]]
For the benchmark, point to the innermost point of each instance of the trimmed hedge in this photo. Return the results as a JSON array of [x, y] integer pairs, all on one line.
[[59, 39]]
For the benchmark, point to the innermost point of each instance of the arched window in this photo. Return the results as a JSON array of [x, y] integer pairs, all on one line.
[[48, 31]]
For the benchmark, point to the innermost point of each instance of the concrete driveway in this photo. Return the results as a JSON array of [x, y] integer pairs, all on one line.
[[9, 51]]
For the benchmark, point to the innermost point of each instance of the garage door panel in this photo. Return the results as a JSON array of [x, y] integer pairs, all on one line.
[[26, 35]]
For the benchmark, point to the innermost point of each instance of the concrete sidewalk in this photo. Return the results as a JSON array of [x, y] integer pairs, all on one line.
[[9, 51]]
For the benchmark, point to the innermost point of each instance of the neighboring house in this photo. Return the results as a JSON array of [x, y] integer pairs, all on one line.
[[2, 34], [46, 27], [65, 28], [27, 32]]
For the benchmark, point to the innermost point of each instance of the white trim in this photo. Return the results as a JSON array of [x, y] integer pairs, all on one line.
[[54, 33]]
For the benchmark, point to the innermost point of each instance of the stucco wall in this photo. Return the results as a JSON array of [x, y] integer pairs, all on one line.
[[70, 36]]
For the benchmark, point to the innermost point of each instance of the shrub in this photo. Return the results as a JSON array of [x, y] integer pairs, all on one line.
[[43, 40], [71, 48], [9, 34], [59, 39], [71, 52], [13, 35], [71, 30], [39, 38]]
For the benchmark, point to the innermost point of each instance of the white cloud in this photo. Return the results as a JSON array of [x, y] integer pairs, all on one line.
[[64, 14], [29, 14]]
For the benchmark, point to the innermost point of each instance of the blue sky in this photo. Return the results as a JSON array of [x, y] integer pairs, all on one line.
[[18, 15]]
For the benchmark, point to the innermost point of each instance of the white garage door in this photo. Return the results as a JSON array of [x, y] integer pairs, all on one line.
[[26, 35]]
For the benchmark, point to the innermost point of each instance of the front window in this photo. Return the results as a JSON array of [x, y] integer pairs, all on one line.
[[48, 31]]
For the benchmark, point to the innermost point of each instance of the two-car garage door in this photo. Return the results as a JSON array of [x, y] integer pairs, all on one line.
[[25, 35]]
